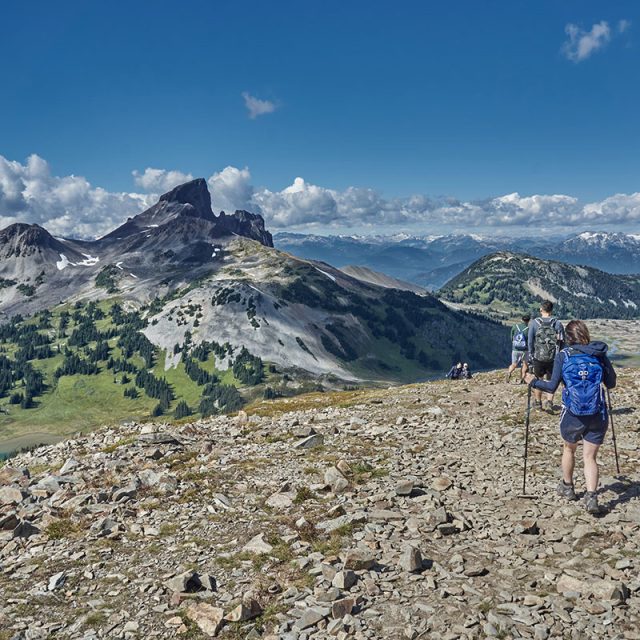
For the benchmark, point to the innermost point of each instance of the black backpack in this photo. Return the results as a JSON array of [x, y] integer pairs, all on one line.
[[546, 340]]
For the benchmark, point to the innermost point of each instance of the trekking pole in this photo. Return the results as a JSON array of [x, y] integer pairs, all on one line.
[[526, 443], [613, 431]]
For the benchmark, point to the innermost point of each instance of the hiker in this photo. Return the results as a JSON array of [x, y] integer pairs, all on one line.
[[519, 340], [455, 372], [583, 366], [465, 374], [546, 335]]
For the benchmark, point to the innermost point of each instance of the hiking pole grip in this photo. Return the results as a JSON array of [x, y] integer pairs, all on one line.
[[526, 440], [613, 431]]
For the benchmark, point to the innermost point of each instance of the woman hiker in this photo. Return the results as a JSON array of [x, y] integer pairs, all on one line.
[[582, 366]]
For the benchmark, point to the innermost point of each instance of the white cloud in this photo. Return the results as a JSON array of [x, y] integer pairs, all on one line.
[[257, 107], [159, 180], [621, 208], [582, 44], [231, 189], [71, 206], [623, 25], [66, 206]]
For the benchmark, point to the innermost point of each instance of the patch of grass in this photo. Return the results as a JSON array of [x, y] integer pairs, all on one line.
[[303, 494], [123, 442], [77, 403], [308, 401], [363, 471], [95, 619], [190, 495], [281, 550], [180, 460], [277, 437], [63, 528], [485, 606], [235, 560], [193, 630], [168, 529]]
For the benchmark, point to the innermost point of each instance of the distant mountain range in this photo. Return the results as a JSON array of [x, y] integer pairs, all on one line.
[[433, 260], [505, 284]]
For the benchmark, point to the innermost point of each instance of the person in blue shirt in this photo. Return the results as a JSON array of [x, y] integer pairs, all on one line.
[[583, 393]]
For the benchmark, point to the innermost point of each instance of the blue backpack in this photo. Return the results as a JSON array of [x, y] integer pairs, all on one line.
[[520, 338], [582, 375]]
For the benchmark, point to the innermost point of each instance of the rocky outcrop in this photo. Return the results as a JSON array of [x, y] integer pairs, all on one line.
[[402, 521], [195, 194], [249, 225]]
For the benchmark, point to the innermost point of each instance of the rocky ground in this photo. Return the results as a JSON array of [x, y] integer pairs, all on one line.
[[369, 514]]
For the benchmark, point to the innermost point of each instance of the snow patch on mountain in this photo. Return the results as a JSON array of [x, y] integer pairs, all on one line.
[[64, 262], [324, 273]]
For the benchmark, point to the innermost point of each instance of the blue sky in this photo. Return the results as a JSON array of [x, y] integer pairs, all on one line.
[[466, 99]]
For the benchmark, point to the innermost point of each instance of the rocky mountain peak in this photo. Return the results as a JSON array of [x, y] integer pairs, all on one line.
[[194, 193], [245, 223], [21, 239]]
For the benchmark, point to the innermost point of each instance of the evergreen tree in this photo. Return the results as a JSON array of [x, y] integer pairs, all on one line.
[[182, 410]]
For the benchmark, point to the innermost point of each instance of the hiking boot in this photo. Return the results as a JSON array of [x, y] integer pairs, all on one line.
[[548, 406], [537, 405], [591, 502], [566, 491]]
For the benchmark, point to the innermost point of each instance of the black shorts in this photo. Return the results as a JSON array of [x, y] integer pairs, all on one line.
[[542, 369]]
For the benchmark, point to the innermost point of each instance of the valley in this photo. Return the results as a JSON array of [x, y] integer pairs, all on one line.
[[153, 323]]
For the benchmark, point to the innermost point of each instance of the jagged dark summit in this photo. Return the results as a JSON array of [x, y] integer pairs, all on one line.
[[188, 207]]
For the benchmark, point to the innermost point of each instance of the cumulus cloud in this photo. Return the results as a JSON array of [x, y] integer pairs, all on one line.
[[581, 44], [621, 209], [257, 107], [71, 206], [231, 189], [159, 180], [67, 205]]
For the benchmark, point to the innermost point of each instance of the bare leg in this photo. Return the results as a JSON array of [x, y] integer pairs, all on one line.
[[568, 461], [590, 465]]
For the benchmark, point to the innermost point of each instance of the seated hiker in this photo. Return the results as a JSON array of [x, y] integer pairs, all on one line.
[[465, 374], [519, 337], [583, 366], [455, 372]]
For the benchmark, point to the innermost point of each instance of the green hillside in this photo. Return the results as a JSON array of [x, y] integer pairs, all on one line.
[[74, 368], [505, 284]]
